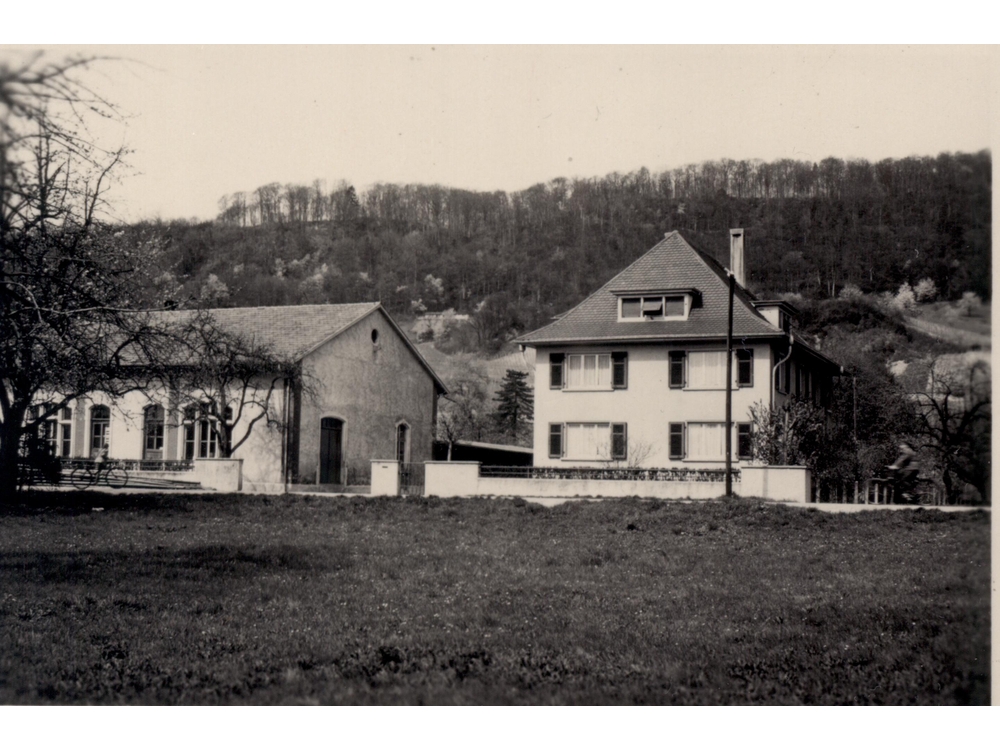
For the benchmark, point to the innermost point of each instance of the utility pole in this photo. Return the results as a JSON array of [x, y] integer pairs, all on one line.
[[729, 390]]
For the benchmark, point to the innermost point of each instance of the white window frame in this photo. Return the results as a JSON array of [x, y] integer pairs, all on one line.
[[663, 298], [603, 451], [691, 444], [689, 379], [581, 357]]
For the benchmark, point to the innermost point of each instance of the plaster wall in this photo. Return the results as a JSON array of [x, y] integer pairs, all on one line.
[[648, 405], [372, 387]]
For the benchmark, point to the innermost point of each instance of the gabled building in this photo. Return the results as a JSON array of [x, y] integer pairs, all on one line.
[[635, 375], [370, 394]]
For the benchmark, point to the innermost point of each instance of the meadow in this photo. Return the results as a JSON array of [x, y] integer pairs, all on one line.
[[200, 599]]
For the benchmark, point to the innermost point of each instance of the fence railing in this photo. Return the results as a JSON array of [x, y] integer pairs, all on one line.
[[411, 479], [628, 475], [68, 464]]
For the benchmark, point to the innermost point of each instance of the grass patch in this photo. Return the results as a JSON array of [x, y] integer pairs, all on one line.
[[191, 599]]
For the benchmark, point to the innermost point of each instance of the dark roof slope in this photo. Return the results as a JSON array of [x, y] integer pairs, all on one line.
[[295, 331], [673, 263], [291, 331]]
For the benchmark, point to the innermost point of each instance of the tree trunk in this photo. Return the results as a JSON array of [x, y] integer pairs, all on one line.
[[10, 440]]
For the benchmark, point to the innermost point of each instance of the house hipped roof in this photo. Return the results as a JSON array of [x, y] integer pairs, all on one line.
[[295, 331], [673, 263]]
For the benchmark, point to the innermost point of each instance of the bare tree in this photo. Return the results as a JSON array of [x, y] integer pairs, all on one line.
[[231, 376], [69, 283], [953, 428]]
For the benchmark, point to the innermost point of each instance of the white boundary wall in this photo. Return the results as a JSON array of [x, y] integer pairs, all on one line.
[[461, 479]]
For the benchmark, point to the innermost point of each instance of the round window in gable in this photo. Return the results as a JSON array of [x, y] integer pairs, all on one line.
[[374, 335]]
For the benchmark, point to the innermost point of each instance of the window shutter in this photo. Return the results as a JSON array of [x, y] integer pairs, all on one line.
[[619, 442], [743, 446], [676, 369], [619, 370], [555, 441], [556, 376], [677, 440]]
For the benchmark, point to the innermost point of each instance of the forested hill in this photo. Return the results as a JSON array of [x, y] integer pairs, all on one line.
[[524, 256]]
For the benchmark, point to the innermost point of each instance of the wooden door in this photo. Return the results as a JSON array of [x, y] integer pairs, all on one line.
[[330, 449]]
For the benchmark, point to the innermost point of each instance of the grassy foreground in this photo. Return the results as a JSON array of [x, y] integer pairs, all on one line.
[[189, 599]]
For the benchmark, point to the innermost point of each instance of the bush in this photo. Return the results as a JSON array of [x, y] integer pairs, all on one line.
[[969, 304], [925, 290], [851, 292], [905, 299]]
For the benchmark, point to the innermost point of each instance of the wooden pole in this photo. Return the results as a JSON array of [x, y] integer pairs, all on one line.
[[729, 390]]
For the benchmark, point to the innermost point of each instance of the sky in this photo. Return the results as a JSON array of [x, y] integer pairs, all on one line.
[[206, 121]]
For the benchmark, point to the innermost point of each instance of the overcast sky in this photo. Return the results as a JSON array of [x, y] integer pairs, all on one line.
[[208, 121]]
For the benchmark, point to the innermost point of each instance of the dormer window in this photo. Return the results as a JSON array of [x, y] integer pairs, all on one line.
[[654, 307]]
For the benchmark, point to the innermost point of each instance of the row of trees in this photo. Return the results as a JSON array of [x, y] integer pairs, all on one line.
[[812, 228]]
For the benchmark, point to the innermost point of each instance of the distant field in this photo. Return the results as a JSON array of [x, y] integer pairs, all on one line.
[[935, 320], [188, 599]]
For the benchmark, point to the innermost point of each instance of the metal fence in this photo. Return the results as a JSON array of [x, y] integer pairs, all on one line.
[[70, 464], [627, 475], [411, 479]]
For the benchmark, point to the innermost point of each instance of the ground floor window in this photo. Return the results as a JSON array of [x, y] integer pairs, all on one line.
[[100, 430], [153, 431], [588, 442], [200, 438], [706, 441]]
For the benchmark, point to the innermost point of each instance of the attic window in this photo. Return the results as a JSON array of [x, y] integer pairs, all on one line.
[[659, 307], [374, 335]]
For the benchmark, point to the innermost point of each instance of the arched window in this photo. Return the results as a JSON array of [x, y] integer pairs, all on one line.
[[200, 440], [100, 430], [403, 443], [153, 430]]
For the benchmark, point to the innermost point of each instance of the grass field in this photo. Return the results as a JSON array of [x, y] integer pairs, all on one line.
[[188, 599]]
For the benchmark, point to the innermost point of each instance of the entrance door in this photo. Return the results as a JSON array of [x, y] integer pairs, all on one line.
[[330, 447]]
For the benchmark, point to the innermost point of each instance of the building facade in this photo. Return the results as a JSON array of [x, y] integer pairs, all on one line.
[[635, 375], [365, 393]]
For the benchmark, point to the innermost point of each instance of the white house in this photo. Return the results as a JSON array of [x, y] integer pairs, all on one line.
[[372, 395], [635, 375]]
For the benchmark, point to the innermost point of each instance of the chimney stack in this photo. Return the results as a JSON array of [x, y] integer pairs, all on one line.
[[736, 255]]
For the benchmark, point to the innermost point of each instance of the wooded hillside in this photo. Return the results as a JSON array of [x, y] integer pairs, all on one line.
[[524, 256]]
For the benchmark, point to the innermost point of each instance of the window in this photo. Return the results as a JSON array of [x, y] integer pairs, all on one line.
[[555, 441], [587, 442], [619, 369], [153, 428], [56, 429], [556, 373], [744, 368], [200, 438], [65, 432], [659, 307], [784, 377], [707, 370], [744, 448], [676, 369], [589, 371], [706, 441], [619, 442], [403, 443], [798, 380], [100, 428], [677, 440]]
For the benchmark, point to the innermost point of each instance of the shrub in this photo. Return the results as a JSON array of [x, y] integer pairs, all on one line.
[[969, 304], [925, 290], [851, 292], [905, 299]]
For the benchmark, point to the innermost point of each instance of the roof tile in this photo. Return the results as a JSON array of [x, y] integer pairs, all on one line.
[[672, 263]]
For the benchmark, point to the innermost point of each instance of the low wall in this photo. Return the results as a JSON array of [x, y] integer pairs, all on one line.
[[461, 479], [385, 478], [790, 484], [221, 474]]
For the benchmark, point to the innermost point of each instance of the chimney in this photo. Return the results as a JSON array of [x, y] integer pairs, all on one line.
[[736, 255]]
